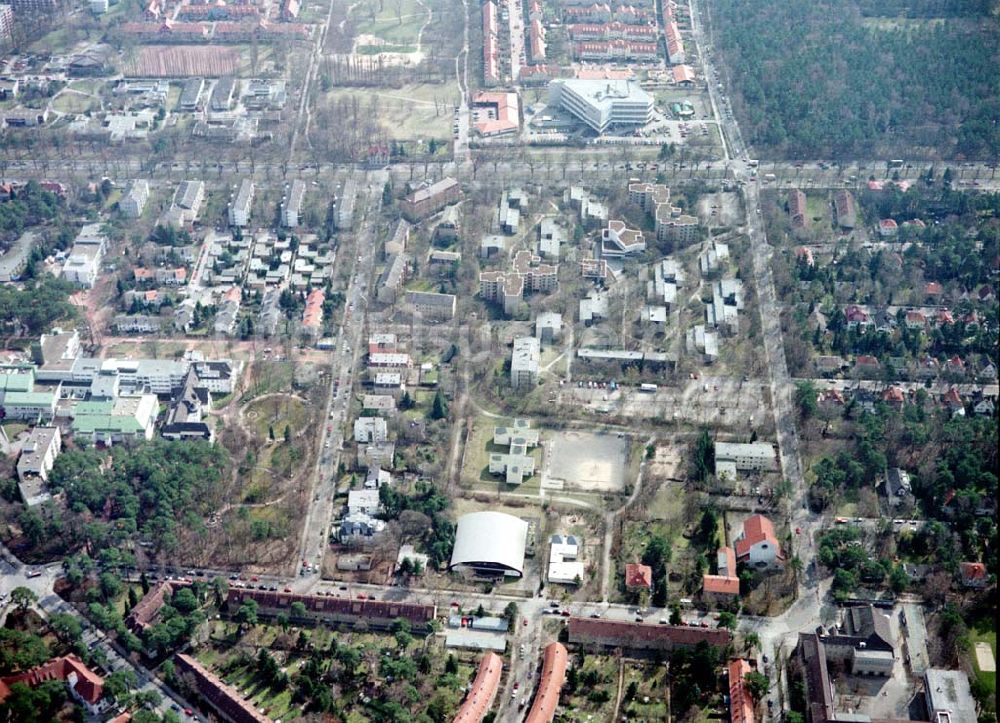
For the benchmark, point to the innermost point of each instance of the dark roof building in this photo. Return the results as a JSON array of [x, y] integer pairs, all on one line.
[[640, 636], [375, 613], [226, 700]]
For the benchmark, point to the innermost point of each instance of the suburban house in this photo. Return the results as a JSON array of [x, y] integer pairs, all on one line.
[[638, 577], [757, 545]]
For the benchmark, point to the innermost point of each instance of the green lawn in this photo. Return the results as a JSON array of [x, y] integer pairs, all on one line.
[[984, 633], [400, 30]]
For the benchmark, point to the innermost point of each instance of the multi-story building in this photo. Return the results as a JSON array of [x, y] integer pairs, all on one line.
[[134, 199], [619, 240], [241, 206], [432, 305], [491, 45], [38, 455], [426, 201], [616, 50], [603, 104], [292, 204], [524, 362], [528, 274], [754, 456], [83, 264], [6, 25]]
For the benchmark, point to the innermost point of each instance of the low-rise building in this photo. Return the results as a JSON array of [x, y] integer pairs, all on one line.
[[370, 429], [223, 698], [638, 577], [757, 545], [731, 457], [291, 205], [548, 327], [564, 565], [517, 463], [428, 200], [83, 263], [725, 584], [432, 305], [601, 634]]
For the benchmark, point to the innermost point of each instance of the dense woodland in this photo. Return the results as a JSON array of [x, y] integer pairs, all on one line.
[[821, 80], [150, 493]]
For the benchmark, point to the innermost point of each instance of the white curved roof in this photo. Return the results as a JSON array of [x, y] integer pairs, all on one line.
[[493, 539]]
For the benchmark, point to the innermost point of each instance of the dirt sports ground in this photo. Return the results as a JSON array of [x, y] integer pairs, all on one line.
[[181, 61]]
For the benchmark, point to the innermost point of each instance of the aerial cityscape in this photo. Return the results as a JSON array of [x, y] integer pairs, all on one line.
[[423, 361]]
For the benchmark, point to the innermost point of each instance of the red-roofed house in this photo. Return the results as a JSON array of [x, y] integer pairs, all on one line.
[[683, 75], [973, 574], [757, 544], [640, 636], [740, 702], [956, 365], [944, 317], [638, 576], [831, 398], [866, 361], [805, 253], [916, 320], [85, 685], [953, 400], [887, 227], [933, 288], [483, 691], [894, 397], [725, 585], [856, 316]]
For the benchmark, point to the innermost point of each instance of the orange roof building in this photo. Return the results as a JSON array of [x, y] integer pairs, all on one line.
[[312, 316], [973, 574], [740, 702], [757, 545], [85, 685], [484, 689], [725, 584], [502, 111], [550, 682], [638, 576]]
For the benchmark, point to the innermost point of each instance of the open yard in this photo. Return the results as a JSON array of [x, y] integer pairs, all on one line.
[[420, 111], [591, 462], [397, 24]]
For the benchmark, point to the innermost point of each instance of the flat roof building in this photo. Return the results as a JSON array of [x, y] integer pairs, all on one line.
[[38, 455], [603, 105], [241, 206], [291, 205], [524, 361]]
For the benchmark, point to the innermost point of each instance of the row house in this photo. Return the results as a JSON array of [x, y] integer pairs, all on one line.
[[217, 12], [491, 46], [536, 42], [168, 31], [675, 45], [616, 50], [613, 31]]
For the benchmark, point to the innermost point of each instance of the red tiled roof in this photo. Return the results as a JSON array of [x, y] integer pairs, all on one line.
[[933, 288], [893, 395], [756, 529], [550, 682], [484, 688], [643, 636], [721, 585], [89, 685], [224, 697], [866, 360], [638, 575], [378, 610], [972, 571], [740, 702]]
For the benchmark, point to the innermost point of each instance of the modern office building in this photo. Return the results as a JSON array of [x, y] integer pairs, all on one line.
[[603, 104]]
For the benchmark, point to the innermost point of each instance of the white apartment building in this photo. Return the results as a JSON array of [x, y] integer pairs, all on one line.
[[733, 456], [524, 362], [83, 264], [242, 204], [292, 204]]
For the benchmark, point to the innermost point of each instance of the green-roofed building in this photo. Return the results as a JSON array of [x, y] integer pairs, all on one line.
[[16, 379], [113, 421], [29, 406]]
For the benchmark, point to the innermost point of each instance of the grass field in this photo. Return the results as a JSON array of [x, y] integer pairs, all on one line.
[[421, 111], [69, 102], [982, 632], [277, 412], [398, 23]]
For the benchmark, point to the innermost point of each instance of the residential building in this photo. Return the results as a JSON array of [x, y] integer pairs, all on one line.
[[242, 204], [898, 491], [483, 691], [227, 313], [85, 685], [550, 237], [603, 105], [38, 455], [727, 301], [548, 327], [757, 545], [448, 226], [432, 305], [844, 210], [223, 698], [973, 574], [428, 200], [365, 501], [312, 314], [391, 279], [527, 275], [191, 94], [638, 577], [83, 263], [491, 45], [603, 634], [370, 429], [291, 205], [594, 306], [731, 457], [134, 199], [797, 211], [710, 261], [618, 240], [376, 614], [724, 585], [887, 227], [741, 704], [221, 100], [396, 245], [524, 362]]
